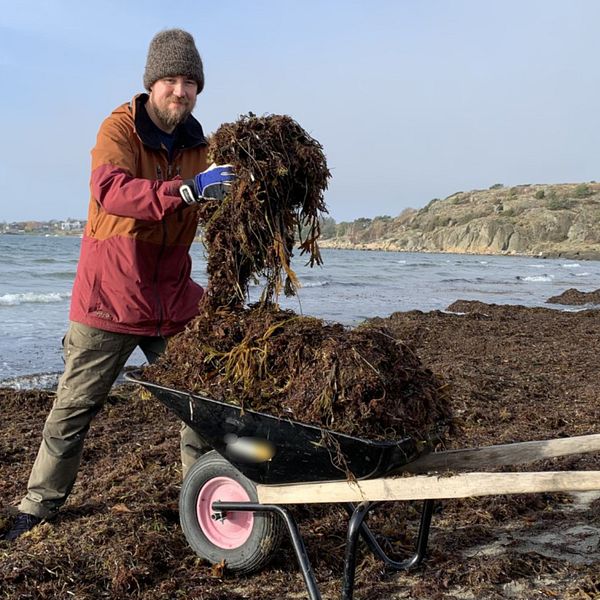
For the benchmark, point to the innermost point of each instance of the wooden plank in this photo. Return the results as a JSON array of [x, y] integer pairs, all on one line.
[[422, 487], [489, 457]]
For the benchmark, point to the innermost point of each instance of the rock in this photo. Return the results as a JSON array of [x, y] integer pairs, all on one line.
[[519, 220]]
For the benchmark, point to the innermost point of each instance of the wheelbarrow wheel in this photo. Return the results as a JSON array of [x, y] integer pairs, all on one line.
[[245, 540]]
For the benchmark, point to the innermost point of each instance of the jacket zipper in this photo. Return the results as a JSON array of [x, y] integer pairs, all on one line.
[[163, 244]]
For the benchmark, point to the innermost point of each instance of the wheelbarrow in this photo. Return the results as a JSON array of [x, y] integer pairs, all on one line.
[[232, 500]]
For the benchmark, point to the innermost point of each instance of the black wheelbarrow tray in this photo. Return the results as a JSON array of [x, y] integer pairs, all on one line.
[[232, 500]]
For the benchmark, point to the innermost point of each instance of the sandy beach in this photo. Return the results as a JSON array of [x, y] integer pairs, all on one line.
[[514, 374]]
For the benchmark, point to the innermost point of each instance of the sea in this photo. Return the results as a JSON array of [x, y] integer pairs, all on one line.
[[36, 276]]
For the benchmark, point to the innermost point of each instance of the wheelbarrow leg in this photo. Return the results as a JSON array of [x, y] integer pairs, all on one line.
[[354, 528], [297, 542], [357, 526], [421, 546]]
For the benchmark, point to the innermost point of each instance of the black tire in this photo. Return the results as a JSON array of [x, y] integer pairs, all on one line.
[[267, 528]]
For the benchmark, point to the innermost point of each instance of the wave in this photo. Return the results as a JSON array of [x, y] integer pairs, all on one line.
[[458, 280], [536, 278], [424, 264], [37, 381], [571, 265], [64, 275], [61, 275], [33, 298], [310, 284]]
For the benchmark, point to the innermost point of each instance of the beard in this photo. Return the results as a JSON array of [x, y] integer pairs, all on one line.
[[171, 117]]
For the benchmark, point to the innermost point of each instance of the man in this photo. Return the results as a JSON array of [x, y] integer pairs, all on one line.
[[133, 285]]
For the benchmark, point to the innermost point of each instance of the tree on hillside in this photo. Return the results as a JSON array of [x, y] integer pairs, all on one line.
[[328, 227]]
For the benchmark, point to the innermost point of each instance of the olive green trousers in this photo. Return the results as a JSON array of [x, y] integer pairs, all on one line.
[[93, 360]]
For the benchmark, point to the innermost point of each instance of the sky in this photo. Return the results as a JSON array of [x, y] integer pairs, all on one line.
[[411, 99]]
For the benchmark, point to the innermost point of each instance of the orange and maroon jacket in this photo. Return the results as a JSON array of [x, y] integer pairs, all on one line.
[[134, 269]]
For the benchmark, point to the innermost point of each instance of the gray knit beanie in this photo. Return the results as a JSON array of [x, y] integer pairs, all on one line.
[[173, 52]]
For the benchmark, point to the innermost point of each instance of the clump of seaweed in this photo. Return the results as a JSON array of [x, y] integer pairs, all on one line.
[[281, 176], [358, 381]]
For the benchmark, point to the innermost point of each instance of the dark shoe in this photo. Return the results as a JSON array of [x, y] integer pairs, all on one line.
[[22, 524]]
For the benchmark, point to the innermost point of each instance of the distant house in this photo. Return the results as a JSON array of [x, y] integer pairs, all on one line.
[[53, 227], [71, 225]]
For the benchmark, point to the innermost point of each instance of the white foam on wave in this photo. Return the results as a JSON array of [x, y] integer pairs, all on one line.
[[571, 266], [33, 298], [582, 274], [537, 278], [575, 309], [37, 381], [315, 284]]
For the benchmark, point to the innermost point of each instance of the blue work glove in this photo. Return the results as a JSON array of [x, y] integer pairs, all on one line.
[[212, 184]]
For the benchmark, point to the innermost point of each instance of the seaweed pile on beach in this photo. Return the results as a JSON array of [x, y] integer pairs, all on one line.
[[573, 297], [516, 374], [359, 381]]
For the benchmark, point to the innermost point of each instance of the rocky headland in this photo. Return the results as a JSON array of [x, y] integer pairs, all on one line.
[[560, 220]]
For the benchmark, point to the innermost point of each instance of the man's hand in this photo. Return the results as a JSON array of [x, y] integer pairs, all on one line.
[[212, 184]]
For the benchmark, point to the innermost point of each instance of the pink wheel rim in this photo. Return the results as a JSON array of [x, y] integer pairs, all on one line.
[[232, 529]]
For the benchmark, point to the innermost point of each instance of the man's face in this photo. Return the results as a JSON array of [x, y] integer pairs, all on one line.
[[173, 99]]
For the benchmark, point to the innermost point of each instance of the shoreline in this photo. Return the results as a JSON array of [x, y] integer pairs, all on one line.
[[569, 302], [376, 246], [330, 244]]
